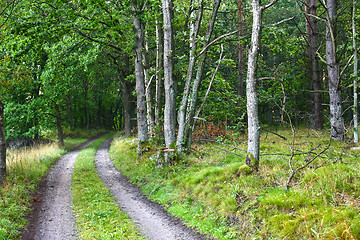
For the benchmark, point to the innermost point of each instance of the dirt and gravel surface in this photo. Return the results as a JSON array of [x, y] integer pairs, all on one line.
[[152, 220], [52, 217]]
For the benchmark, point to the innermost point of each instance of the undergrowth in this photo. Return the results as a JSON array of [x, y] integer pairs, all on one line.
[[97, 214], [25, 168], [214, 192]]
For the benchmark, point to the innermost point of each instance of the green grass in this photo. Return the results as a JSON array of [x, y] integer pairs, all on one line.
[[26, 167], [97, 214], [213, 191]]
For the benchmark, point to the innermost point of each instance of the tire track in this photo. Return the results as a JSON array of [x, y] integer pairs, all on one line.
[[152, 220], [52, 216]]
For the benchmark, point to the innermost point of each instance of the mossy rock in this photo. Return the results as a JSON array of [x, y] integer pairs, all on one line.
[[244, 170]]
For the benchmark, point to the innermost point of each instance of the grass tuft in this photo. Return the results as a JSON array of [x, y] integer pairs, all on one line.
[[26, 167], [97, 214], [216, 193]]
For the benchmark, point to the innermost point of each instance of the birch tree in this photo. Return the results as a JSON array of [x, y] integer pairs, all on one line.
[[193, 95], [251, 86], [336, 119], [355, 113], [139, 75], [194, 30], [169, 83]]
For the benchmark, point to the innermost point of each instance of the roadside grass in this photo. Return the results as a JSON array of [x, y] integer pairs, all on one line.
[[26, 167], [97, 214], [214, 192]]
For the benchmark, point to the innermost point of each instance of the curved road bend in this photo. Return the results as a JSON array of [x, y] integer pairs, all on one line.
[[152, 220], [52, 216]]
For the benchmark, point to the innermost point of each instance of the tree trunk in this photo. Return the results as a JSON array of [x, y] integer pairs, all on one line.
[[148, 91], [59, 125], [195, 88], [355, 113], [87, 120], [169, 83], [194, 29], [127, 109], [139, 76], [71, 111], [251, 89], [2, 144], [159, 76], [336, 119], [240, 52], [314, 73]]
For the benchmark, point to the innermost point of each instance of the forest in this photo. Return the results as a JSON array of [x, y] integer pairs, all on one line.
[[271, 85]]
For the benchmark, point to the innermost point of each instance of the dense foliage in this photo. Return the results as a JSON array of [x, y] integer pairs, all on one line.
[[79, 55]]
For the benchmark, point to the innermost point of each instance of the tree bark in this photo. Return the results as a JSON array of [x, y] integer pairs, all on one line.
[[194, 29], [251, 88], [169, 83], [139, 76], [314, 73], [195, 88], [240, 52], [59, 126], [127, 108], [87, 120], [150, 115], [355, 111], [336, 119], [159, 76], [2, 144]]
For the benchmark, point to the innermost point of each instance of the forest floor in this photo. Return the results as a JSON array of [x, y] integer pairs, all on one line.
[[52, 215]]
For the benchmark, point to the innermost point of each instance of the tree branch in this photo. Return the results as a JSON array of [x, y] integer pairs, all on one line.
[[280, 22]]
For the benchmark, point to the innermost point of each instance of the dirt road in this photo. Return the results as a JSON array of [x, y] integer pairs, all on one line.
[[153, 221], [52, 216]]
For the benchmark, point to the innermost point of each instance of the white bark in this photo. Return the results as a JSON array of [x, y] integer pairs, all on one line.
[[159, 77], [169, 83], [251, 88], [336, 119], [139, 75], [150, 116], [2, 144], [194, 29], [355, 113], [195, 88]]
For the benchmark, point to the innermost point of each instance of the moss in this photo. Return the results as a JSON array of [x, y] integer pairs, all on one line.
[[244, 170]]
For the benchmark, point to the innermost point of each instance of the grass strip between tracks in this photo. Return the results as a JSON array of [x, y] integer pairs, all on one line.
[[97, 214]]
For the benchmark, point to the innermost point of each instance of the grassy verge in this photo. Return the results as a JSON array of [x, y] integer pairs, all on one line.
[[212, 190], [26, 167], [97, 214]]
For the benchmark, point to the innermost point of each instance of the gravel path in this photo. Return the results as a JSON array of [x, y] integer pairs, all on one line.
[[152, 220], [52, 217]]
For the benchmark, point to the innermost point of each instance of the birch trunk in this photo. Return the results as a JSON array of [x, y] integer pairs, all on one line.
[[336, 119], [127, 108], [2, 144], [169, 83], [139, 76], [251, 89], [150, 115], [240, 52], [194, 29], [195, 88], [355, 113], [159, 76]]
